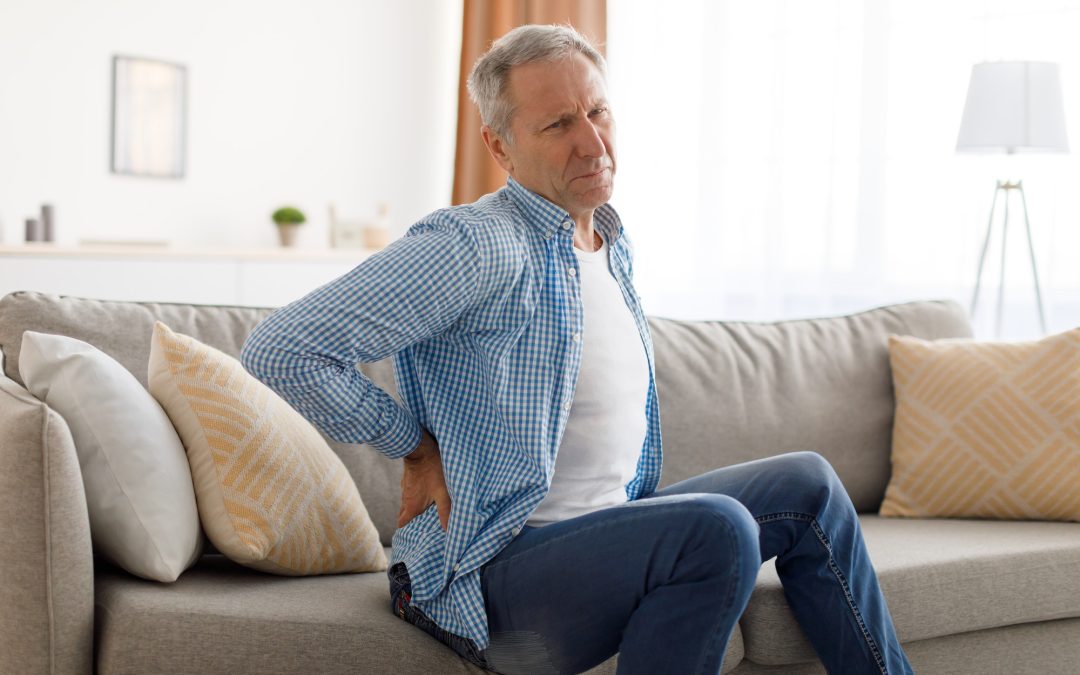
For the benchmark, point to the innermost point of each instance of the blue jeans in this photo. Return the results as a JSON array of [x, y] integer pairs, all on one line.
[[662, 580]]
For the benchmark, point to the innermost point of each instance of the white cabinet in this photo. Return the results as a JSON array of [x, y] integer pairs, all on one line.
[[268, 278]]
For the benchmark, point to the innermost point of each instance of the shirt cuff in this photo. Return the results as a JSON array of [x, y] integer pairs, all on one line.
[[400, 437]]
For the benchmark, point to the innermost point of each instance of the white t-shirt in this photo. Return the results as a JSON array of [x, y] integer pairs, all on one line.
[[607, 424]]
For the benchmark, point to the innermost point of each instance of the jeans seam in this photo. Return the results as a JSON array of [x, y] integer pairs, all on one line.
[[835, 569], [847, 595], [784, 515]]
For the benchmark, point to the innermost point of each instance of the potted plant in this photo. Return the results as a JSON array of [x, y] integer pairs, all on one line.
[[288, 220]]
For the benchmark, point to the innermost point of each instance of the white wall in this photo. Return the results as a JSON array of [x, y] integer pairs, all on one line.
[[345, 101]]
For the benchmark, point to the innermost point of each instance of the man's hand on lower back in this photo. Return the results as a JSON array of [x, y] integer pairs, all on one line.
[[423, 483]]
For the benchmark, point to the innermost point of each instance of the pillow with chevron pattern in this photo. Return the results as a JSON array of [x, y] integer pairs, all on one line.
[[271, 493], [986, 429]]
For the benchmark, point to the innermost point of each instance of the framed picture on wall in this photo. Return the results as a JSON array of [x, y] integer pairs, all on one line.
[[149, 111]]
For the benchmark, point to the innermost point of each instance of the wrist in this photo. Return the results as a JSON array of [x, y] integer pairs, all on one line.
[[424, 449]]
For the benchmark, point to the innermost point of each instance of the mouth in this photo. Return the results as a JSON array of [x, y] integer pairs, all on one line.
[[594, 174]]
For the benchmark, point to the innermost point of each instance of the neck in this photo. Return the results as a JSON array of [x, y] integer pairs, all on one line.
[[584, 220], [587, 239], [585, 236]]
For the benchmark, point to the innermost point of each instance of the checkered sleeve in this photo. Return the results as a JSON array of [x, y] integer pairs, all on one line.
[[307, 351]]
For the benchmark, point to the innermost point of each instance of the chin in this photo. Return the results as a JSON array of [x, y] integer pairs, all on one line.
[[597, 197]]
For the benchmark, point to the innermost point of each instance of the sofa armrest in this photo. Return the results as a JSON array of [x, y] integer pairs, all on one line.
[[47, 578]]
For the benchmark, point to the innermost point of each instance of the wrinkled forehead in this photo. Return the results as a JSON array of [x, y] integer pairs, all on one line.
[[555, 85]]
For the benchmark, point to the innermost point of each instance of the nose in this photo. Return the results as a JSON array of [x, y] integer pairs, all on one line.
[[589, 142]]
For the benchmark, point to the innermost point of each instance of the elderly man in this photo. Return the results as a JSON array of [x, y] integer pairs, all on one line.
[[531, 535]]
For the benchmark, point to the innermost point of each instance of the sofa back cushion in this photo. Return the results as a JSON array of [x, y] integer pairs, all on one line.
[[123, 331], [734, 391], [120, 329], [729, 391]]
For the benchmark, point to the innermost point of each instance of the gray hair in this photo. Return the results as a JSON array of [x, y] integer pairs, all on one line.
[[487, 83]]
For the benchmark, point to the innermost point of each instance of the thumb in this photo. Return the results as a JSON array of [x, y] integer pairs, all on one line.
[[410, 508], [442, 503]]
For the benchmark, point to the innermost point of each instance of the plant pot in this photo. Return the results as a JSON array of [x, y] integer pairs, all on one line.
[[287, 233]]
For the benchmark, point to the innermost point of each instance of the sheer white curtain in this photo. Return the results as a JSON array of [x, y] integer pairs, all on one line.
[[790, 159]]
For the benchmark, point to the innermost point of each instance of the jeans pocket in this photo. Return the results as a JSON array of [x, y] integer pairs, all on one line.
[[401, 603], [400, 589]]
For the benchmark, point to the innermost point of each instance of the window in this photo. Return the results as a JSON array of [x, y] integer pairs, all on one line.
[[790, 159]]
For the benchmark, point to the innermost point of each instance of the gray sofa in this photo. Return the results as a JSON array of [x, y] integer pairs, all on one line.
[[966, 596]]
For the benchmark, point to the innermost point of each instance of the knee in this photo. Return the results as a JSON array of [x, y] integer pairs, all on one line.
[[812, 466], [808, 473], [726, 526]]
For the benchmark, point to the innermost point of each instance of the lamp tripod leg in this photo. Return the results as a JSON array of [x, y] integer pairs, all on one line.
[[1001, 276], [1034, 269], [985, 246]]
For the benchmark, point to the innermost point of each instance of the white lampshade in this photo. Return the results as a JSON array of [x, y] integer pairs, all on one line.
[[1013, 106]]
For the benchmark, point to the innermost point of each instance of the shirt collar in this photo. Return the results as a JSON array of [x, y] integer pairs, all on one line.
[[548, 217]]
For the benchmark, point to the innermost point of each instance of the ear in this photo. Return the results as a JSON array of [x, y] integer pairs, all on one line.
[[497, 146]]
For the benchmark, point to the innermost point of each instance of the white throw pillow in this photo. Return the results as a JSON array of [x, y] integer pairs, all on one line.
[[139, 493]]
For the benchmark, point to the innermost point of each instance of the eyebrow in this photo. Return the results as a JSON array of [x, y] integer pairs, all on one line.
[[567, 113]]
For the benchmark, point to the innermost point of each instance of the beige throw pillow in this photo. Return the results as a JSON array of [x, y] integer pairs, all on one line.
[[986, 429], [272, 495]]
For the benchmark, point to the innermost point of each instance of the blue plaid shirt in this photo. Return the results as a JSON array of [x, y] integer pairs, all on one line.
[[478, 304]]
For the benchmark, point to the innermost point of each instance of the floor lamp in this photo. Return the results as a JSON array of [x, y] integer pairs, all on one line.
[[1012, 106]]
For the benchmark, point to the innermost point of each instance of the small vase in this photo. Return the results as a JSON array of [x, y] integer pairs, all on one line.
[[287, 233]]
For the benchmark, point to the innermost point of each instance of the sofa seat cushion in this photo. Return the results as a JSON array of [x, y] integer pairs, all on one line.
[[940, 577], [1043, 648], [220, 617]]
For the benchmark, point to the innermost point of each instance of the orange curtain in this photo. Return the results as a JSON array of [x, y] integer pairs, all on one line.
[[475, 172]]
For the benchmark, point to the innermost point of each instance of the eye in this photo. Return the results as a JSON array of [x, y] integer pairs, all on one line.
[[598, 111], [554, 125]]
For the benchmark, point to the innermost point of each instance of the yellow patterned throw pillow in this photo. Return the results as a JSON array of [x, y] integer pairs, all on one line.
[[271, 493], [986, 429]]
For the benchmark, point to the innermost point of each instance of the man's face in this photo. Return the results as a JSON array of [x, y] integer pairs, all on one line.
[[563, 144]]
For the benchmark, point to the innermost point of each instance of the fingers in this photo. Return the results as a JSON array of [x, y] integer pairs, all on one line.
[[423, 484], [442, 503]]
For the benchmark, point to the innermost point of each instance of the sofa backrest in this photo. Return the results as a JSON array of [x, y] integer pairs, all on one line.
[[732, 392], [729, 391], [120, 329], [123, 330]]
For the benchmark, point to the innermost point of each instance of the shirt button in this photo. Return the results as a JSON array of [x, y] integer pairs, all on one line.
[[566, 225], [577, 337], [457, 568], [572, 272], [516, 531], [566, 406]]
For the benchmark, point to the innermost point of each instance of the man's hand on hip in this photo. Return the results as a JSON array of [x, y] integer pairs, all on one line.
[[423, 483]]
